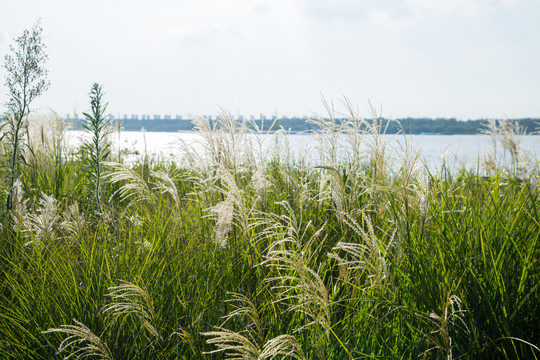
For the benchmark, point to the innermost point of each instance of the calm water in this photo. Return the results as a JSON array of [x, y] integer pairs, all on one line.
[[458, 148]]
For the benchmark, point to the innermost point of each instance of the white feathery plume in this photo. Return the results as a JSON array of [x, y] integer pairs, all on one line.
[[127, 299], [19, 212], [74, 222], [80, 334], [42, 224], [239, 347], [296, 284], [453, 316], [135, 188], [367, 257]]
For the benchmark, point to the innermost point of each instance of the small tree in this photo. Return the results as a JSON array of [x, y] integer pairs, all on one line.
[[98, 147], [26, 79]]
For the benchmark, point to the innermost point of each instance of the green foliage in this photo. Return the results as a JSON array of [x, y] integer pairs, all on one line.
[[98, 147], [225, 258]]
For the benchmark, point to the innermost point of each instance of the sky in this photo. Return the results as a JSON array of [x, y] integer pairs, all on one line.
[[464, 59]]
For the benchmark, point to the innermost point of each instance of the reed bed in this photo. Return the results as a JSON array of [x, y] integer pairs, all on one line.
[[236, 253]]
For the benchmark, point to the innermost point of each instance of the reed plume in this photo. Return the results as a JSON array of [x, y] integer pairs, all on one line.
[[130, 299], [367, 258], [327, 132], [239, 347], [41, 225], [224, 142], [74, 223], [166, 184], [134, 188], [508, 133], [232, 210], [223, 213], [451, 319], [19, 214], [86, 343], [297, 284]]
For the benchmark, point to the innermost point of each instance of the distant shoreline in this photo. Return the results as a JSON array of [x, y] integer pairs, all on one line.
[[409, 126], [299, 125]]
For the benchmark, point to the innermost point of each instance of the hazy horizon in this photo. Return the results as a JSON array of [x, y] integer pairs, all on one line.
[[464, 59]]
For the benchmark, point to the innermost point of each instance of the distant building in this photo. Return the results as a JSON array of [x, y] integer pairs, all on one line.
[[134, 117], [157, 117], [178, 117], [167, 117]]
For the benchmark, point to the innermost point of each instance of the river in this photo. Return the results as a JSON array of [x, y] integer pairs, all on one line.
[[456, 149]]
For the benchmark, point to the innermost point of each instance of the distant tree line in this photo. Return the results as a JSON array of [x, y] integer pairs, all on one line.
[[415, 126]]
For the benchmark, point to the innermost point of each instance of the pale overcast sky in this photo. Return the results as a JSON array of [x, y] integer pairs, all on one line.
[[437, 58]]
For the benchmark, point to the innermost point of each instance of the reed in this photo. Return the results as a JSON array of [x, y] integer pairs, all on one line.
[[234, 254]]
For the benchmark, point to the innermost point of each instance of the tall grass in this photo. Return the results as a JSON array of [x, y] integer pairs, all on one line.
[[242, 255]]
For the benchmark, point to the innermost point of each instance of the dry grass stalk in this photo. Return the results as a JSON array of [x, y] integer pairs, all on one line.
[[223, 212], [300, 287], [297, 285], [344, 193], [368, 258], [232, 210], [332, 187], [225, 142], [491, 129], [508, 133], [244, 307], [354, 129], [231, 190], [240, 347], [166, 184], [235, 345], [41, 225], [377, 145], [422, 192], [258, 157], [282, 345], [19, 213], [410, 185], [74, 223], [453, 316], [135, 189], [365, 140], [130, 299], [259, 183], [298, 183], [327, 133], [80, 334], [46, 135], [281, 148]]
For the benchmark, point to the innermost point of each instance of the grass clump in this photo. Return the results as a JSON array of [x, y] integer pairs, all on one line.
[[243, 255]]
